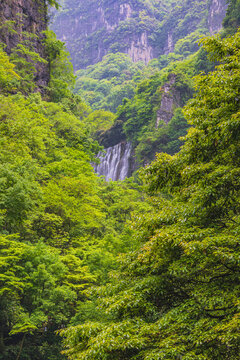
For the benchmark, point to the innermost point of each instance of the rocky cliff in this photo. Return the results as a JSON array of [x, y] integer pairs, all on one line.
[[217, 12], [21, 20], [170, 99], [142, 29], [91, 29]]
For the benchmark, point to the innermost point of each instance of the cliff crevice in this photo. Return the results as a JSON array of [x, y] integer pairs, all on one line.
[[25, 19]]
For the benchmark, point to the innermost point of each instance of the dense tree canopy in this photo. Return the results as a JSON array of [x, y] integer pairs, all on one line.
[[60, 232], [106, 84], [232, 19], [176, 297], [146, 268]]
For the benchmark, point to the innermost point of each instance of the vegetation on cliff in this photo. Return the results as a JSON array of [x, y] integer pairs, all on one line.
[[232, 20], [61, 226], [120, 270], [149, 112], [176, 296], [144, 29], [106, 84]]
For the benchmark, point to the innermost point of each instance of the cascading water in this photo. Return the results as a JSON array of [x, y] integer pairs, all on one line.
[[115, 162]]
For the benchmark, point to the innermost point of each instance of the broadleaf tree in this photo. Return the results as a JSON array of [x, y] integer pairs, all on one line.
[[177, 296]]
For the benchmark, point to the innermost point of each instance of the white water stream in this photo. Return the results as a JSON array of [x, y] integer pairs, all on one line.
[[115, 162]]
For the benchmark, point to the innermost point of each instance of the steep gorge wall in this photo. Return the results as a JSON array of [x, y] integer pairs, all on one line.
[[91, 29], [170, 99], [19, 17], [189, 18], [142, 29], [217, 12]]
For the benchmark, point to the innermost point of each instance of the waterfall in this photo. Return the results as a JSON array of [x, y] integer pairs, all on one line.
[[115, 162]]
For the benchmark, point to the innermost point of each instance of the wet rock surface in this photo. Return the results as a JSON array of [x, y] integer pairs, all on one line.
[[116, 162]]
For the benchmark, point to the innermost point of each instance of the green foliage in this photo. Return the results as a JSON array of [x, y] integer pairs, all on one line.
[[53, 3], [37, 288], [118, 28], [139, 115], [100, 120], [173, 293], [106, 84], [68, 230], [7, 73], [188, 44], [61, 70], [26, 60], [37, 190], [232, 19], [164, 139], [176, 296]]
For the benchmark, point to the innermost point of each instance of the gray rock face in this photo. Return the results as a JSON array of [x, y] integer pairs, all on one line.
[[92, 29], [25, 16], [169, 45], [170, 99], [217, 12], [143, 29]]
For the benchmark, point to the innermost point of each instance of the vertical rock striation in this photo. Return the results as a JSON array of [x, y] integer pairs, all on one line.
[[18, 17], [140, 49], [143, 29], [217, 12], [93, 29], [169, 45], [170, 99]]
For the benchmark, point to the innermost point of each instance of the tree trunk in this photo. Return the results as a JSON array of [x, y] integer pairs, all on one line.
[[21, 346]]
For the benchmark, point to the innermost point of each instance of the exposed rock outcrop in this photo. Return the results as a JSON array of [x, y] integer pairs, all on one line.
[[140, 49], [170, 99], [217, 12], [143, 29], [93, 29], [18, 17], [112, 136], [169, 46]]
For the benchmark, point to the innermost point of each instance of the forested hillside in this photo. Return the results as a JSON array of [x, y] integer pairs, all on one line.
[[61, 226], [177, 295], [146, 95], [146, 268]]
